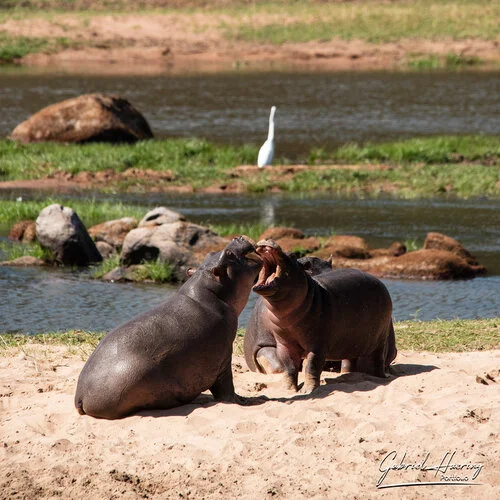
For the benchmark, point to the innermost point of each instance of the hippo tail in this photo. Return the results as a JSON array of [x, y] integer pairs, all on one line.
[[79, 406], [392, 351]]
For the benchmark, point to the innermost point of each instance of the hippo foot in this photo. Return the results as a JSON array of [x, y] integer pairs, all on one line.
[[308, 388], [267, 361]]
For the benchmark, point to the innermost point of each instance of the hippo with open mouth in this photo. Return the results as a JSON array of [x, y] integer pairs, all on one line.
[[342, 315], [169, 355]]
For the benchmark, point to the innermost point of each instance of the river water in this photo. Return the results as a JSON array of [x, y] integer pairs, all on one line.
[[314, 109], [41, 300]]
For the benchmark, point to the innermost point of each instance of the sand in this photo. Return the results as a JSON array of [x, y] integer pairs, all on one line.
[[335, 443]]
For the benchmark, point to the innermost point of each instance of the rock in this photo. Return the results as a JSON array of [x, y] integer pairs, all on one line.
[[180, 244], [24, 230], [105, 249], [26, 260], [60, 230], [438, 241], [346, 246], [420, 264], [87, 118], [159, 216], [113, 232], [299, 246], [277, 233], [395, 250]]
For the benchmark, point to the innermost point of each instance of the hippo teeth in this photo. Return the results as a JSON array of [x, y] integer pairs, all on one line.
[[270, 278]]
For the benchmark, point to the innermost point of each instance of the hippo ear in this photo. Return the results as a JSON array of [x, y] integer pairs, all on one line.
[[307, 266], [220, 269], [190, 271]]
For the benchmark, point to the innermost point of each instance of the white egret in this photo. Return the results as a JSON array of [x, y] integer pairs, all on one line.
[[266, 152]]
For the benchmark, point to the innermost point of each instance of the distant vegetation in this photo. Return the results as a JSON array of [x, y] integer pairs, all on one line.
[[277, 22]]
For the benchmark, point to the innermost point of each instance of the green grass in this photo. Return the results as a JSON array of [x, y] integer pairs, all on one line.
[[105, 266], [194, 162], [90, 211], [374, 22], [443, 149], [464, 166], [434, 336], [11, 251], [448, 336], [160, 272], [13, 48], [451, 61]]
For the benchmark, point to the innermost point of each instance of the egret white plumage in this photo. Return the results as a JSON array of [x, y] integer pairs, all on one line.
[[266, 151]]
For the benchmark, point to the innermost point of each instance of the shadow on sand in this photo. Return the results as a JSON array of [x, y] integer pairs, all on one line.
[[346, 382]]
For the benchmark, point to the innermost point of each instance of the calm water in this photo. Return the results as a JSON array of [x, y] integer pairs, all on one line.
[[314, 109], [38, 300]]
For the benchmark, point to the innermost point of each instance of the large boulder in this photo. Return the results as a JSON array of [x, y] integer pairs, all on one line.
[[60, 230], [180, 244], [87, 118], [113, 232], [427, 264]]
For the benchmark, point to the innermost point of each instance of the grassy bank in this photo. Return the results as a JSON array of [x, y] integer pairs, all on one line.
[[434, 336], [423, 167], [270, 22]]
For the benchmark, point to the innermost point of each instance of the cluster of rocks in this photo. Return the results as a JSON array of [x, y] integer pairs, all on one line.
[[162, 235], [167, 236], [440, 258]]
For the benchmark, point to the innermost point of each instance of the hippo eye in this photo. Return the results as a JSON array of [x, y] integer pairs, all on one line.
[[230, 255]]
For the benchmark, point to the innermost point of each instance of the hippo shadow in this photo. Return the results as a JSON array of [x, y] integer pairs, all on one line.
[[356, 381], [202, 401]]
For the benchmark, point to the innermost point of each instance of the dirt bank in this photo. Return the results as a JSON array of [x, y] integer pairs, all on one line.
[[153, 43]]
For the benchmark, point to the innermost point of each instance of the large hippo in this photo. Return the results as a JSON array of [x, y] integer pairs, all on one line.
[[342, 315], [167, 356]]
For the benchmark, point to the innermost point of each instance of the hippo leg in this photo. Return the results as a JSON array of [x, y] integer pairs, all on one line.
[[373, 364], [292, 364], [267, 360], [348, 366], [223, 388], [312, 372]]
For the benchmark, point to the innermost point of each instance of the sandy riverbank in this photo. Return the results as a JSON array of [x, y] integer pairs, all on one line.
[[323, 446]]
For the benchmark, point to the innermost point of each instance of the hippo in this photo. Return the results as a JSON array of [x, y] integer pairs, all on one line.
[[336, 315], [169, 355]]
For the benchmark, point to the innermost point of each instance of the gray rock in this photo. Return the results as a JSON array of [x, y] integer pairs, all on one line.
[[159, 216], [105, 249], [60, 230]]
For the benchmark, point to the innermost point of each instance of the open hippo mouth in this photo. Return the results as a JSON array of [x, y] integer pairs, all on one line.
[[270, 273]]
